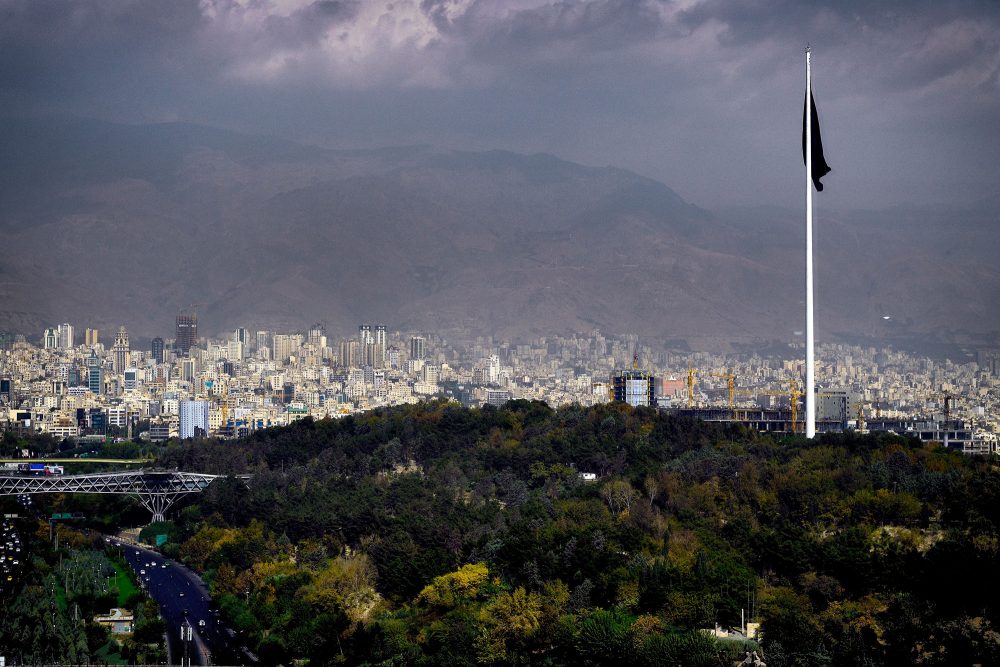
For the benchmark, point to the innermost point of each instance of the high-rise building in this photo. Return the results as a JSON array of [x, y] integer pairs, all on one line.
[[90, 337], [95, 374], [187, 332], [119, 353], [349, 353], [381, 345], [635, 387], [286, 346], [131, 379], [364, 334], [241, 335], [188, 369], [50, 340], [432, 374], [66, 336], [156, 349], [493, 369], [418, 347], [263, 339], [235, 350], [317, 336], [193, 419]]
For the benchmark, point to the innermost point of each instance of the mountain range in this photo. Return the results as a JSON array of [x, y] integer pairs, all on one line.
[[106, 224]]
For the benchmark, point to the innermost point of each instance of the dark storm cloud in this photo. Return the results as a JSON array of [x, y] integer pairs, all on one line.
[[900, 45], [689, 92], [606, 25]]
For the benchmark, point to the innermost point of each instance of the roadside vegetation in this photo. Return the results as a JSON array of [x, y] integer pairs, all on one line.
[[439, 535], [49, 616]]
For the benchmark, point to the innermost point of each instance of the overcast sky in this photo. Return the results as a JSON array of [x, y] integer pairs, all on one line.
[[703, 95]]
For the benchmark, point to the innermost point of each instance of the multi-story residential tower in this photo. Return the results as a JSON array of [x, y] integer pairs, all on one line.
[[349, 353], [286, 346], [193, 419], [66, 336], [418, 348], [90, 337], [317, 336], [381, 346], [50, 340], [188, 369], [263, 339], [156, 349]]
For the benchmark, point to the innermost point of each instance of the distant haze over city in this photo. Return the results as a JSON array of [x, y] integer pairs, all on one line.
[[633, 166]]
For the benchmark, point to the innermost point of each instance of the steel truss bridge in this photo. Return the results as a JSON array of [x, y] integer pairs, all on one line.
[[156, 490]]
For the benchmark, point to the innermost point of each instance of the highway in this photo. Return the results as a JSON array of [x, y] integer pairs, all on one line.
[[182, 595]]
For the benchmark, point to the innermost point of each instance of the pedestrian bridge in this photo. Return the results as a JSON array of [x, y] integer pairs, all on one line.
[[157, 490]]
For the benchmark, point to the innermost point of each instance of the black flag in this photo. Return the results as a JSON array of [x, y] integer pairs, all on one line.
[[819, 166]]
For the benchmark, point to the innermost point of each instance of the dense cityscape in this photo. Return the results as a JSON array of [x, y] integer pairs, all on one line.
[[534, 333], [190, 385]]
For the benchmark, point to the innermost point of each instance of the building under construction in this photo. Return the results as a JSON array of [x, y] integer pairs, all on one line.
[[953, 433], [187, 332], [633, 386], [765, 420]]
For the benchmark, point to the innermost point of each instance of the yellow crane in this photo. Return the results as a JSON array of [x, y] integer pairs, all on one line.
[[731, 385], [692, 372], [793, 395]]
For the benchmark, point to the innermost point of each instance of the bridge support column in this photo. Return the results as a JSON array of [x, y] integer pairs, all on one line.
[[158, 503]]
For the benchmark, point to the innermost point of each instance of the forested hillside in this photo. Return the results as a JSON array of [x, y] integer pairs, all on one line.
[[435, 534]]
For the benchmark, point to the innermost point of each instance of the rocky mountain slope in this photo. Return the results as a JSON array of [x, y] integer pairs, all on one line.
[[108, 224]]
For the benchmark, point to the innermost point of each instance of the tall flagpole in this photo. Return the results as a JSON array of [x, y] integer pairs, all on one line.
[[810, 363]]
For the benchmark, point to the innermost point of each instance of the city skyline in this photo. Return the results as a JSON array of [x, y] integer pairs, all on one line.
[[311, 374]]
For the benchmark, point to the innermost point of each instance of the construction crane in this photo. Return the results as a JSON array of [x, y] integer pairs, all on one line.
[[224, 410], [948, 399], [692, 372], [793, 395], [731, 385]]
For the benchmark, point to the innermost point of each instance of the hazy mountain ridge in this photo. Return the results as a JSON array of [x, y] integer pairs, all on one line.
[[109, 224]]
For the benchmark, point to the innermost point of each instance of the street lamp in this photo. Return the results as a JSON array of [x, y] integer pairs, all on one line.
[[186, 635]]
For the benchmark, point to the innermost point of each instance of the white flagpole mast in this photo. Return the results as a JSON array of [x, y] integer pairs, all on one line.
[[810, 362]]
